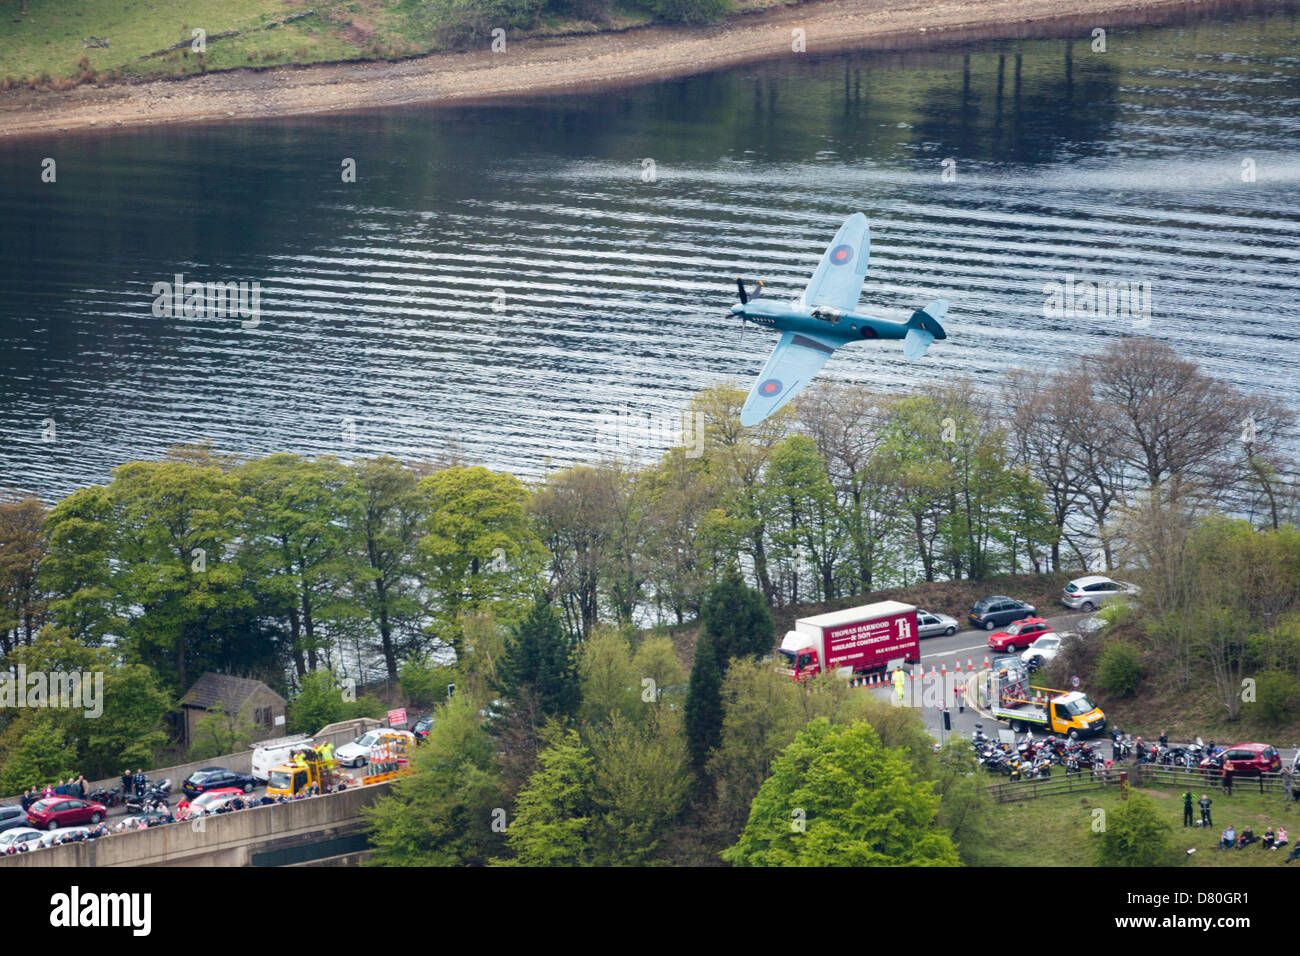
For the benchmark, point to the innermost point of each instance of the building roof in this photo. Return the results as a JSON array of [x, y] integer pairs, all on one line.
[[230, 690]]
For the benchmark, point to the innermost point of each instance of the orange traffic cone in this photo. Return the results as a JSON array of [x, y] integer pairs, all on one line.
[[969, 665]]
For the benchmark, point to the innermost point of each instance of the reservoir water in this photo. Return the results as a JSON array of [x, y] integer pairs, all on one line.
[[500, 282]]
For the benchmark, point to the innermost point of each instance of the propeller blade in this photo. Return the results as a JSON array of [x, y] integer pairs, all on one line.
[[758, 291], [740, 286]]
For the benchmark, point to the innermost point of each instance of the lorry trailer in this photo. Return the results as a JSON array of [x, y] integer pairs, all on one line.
[[858, 640]]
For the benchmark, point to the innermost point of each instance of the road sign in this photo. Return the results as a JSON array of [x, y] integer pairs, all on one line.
[[397, 718], [1074, 681]]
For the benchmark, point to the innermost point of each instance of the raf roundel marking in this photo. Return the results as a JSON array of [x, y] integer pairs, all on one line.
[[841, 255], [770, 388]]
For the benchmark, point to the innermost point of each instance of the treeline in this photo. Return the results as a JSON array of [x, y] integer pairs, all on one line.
[[279, 566]]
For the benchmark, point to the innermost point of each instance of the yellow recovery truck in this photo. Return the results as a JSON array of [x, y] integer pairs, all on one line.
[[292, 778], [1030, 708]]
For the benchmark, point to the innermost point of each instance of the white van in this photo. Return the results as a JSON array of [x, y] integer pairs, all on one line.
[[271, 753]]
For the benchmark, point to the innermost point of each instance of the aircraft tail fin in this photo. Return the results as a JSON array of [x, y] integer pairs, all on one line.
[[923, 328]]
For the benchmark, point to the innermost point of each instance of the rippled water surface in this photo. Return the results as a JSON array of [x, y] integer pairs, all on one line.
[[501, 280]]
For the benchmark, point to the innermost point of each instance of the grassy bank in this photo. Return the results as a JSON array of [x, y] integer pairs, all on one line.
[[55, 45], [1057, 830]]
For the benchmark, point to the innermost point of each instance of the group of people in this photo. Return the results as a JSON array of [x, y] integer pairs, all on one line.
[[1230, 838], [72, 787]]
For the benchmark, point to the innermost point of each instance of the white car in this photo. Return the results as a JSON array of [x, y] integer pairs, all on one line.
[[1096, 590], [1045, 649], [65, 835], [929, 624], [17, 835], [357, 753]]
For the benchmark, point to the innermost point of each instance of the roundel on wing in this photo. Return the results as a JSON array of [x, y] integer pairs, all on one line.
[[770, 389], [841, 255]]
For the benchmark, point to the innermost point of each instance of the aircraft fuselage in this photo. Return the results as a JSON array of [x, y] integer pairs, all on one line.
[[822, 321]]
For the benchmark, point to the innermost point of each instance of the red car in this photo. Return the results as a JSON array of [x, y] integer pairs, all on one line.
[[1250, 759], [54, 812], [1019, 635]]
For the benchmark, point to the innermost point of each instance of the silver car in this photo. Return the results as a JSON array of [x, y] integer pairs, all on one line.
[[1094, 591], [929, 624]]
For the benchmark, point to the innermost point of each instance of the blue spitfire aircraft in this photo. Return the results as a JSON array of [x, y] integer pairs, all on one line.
[[822, 320]]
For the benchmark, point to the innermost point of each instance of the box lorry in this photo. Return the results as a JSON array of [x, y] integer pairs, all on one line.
[[1029, 708], [858, 640]]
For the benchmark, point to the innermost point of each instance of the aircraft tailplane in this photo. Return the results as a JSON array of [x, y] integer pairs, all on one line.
[[923, 328]]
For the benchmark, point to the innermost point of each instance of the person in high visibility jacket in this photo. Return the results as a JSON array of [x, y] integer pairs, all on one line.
[[899, 680], [327, 755], [298, 760]]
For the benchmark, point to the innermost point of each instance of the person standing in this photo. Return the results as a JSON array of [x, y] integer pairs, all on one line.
[[139, 782], [1187, 808], [126, 783], [1205, 802], [1227, 778]]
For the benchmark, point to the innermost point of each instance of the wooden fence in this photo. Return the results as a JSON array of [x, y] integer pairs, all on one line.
[[1139, 775]]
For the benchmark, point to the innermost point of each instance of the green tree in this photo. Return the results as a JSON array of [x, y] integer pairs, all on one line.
[[736, 617], [319, 702], [704, 702], [836, 797], [298, 547], [448, 812], [219, 732], [553, 815], [656, 659], [1135, 835], [388, 525], [539, 659], [640, 784], [78, 571], [35, 751], [610, 684], [478, 551], [22, 549]]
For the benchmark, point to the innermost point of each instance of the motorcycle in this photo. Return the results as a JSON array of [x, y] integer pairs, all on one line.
[[109, 798], [155, 797]]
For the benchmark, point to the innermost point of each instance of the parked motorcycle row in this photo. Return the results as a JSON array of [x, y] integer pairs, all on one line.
[[1031, 757]]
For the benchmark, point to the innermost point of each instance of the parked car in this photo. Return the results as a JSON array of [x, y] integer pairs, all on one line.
[[1044, 649], [12, 815], [16, 835], [1094, 591], [422, 728], [1247, 759], [217, 778], [357, 753], [1020, 634], [68, 835], [54, 812], [929, 624], [209, 800], [998, 610]]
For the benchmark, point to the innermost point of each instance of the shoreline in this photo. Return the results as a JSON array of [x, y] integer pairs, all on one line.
[[583, 62]]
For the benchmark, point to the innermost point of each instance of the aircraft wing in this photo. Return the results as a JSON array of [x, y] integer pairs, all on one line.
[[837, 283], [795, 360]]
